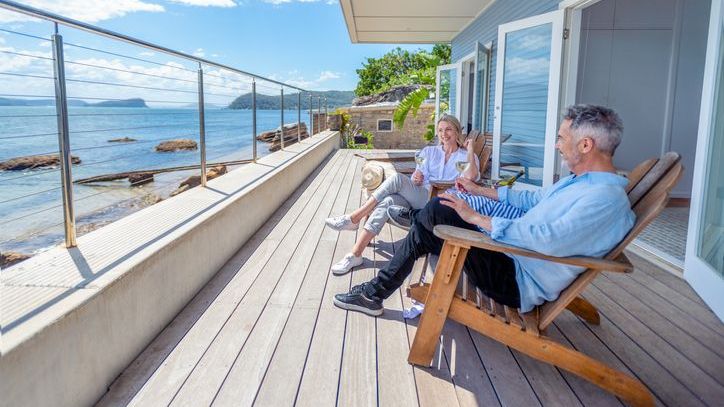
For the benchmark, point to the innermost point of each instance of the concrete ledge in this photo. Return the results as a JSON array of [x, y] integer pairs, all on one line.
[[73, 319]]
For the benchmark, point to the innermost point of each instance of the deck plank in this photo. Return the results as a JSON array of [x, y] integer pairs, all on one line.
[[319, 385], [161, 373], [282, 379], [264, 330], [434, 384], [580, 338], [359, 357], [241, 384], [696, 308], [629, 348], [209, 373], [395, 377], [684, 342], [703, 334], [688, 373]]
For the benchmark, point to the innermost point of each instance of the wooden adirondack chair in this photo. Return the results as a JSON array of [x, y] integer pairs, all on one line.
[[649, 186]]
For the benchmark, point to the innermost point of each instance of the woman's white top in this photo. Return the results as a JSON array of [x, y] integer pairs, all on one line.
[[435, 169]]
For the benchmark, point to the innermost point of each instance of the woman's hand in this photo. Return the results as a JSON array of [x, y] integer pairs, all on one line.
[[465, 212], [417, 177]]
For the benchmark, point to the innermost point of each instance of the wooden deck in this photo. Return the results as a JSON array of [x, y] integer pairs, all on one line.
[[264, 332]]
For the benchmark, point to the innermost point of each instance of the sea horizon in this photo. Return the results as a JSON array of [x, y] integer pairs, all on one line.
[[31, 217]]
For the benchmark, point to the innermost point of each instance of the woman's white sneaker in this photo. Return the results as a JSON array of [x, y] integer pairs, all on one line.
[[342, 222], [347, 263]]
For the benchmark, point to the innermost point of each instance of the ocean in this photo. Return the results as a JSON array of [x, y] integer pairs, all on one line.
[[31, 216]]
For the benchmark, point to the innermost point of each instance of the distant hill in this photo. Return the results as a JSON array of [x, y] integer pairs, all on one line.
[[335, 98], [135, 102]]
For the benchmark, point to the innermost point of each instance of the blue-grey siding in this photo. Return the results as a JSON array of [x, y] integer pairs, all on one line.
[[485, 29]]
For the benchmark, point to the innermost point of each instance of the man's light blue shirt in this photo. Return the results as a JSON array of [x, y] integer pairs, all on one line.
[[584, 215]]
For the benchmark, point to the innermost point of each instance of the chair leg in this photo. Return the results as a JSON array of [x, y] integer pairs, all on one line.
[[585, 310], [546, 350], [437, 304]]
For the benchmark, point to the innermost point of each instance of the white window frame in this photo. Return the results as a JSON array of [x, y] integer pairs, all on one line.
[[705, 281], [554, 81], [392, 126], [458, 82]]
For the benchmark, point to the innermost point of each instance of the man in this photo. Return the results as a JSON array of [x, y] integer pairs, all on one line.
[[586, 213]]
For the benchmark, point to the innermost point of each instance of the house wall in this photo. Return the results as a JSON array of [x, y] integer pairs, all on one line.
[[410, 137], [485, 29], [644, 58], [649, 67]]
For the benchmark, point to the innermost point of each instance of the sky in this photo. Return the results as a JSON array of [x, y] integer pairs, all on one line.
[[303, 43]]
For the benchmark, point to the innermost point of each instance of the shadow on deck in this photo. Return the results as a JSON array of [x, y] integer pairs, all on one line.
[[264, 331]]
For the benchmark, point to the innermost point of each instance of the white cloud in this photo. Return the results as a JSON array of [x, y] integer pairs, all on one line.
[[534, 42], [206, 3], [90, 11], [146, 53], [294, 78], [168, 83], [278, 2], [199, 53], [530, 70]]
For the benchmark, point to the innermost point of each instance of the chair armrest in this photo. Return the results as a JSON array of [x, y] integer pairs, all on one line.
[[470, 238], [442, 185]]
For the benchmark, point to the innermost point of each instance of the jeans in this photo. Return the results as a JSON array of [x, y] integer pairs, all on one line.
[[396, 190], [492, 272]]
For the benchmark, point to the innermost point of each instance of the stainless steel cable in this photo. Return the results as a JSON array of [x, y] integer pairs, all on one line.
[[30, 194], [24, 34]]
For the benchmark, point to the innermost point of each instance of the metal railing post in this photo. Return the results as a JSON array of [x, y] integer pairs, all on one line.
[[311, 117], [281, 128], [299, 117], [326, 112], [61, 108], [202, 127], [253, 118], [319, 113]]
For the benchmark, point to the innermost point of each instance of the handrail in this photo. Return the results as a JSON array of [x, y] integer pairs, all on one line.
[[62, 112], [34, 12]]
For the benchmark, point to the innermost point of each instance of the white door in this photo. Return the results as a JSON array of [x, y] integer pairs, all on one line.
[[704, 264], [527, 87], [447, 83]]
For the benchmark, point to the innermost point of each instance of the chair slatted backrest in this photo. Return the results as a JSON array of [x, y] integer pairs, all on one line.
[[649, 186]]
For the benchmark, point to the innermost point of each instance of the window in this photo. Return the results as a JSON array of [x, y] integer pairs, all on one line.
[[384, 125]]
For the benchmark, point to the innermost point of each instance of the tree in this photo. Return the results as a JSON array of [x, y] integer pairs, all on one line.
[[400, 67]]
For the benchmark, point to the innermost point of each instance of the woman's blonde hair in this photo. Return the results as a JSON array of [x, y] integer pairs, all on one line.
[[454, 122]]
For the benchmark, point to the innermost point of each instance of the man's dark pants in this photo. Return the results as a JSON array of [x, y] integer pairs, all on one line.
[[492, 272]]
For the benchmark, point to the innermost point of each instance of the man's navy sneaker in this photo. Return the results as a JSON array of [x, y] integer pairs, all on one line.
[[356, 300], [400, 216]]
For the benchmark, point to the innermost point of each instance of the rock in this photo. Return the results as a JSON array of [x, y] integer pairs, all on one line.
[[7, 259], [395, 94], [34, 161], [122, 140], [176, 145], [140, 178], [195, 180]]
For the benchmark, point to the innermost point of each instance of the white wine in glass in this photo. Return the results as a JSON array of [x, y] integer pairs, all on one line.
[[419, 159], [461, 166]]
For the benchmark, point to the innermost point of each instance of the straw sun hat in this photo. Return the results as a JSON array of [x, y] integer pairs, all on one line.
[[372, 175]]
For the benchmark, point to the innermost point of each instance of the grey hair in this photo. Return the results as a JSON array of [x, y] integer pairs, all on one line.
[[600, 123], [448, 118]]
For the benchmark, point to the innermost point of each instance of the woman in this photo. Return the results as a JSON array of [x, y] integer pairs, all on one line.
[[414, 192]]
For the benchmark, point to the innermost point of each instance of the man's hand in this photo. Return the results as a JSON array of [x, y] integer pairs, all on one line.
[[465, 185], [417, 177], [462, 208]]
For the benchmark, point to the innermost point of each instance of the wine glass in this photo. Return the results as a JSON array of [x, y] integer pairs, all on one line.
[[461, 166], [419, 158]]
